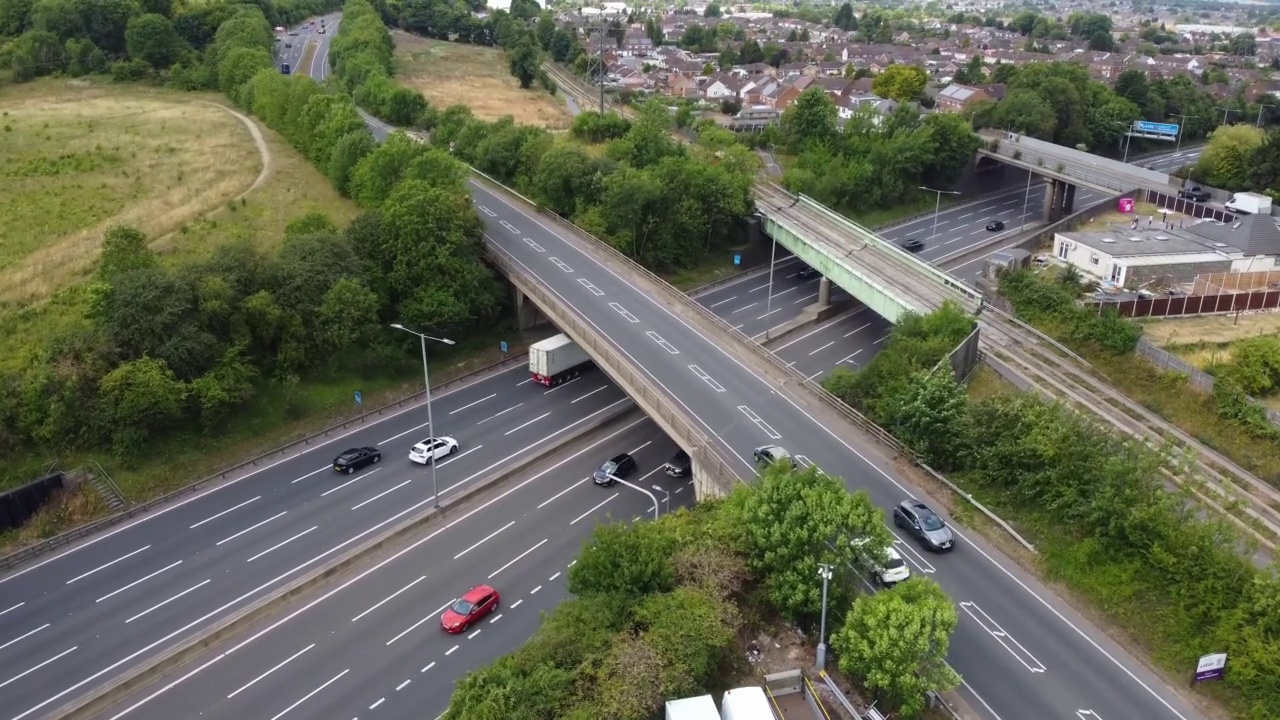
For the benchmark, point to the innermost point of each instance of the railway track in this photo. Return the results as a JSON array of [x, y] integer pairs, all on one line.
[[1212, 479]]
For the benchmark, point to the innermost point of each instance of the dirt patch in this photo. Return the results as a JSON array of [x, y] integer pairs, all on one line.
[[1211, 329], [448, 73], [80, 158]]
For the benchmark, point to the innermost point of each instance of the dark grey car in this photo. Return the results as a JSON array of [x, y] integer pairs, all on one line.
[[619, 466], [924, 524]]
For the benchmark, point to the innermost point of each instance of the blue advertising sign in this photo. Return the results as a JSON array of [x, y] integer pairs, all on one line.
[[1155, 128], [359, 398]]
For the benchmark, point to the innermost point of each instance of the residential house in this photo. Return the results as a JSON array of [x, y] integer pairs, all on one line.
[[956, 98]]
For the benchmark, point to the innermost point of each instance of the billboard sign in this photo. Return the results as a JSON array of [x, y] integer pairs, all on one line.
[[1154, 128], [1125, 205], [1211, 667]]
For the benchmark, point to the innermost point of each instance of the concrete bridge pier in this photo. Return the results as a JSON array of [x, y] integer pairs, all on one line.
[[824, 292], [1059, 200], [527, 313]]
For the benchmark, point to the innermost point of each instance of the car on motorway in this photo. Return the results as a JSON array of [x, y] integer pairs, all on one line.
[[912, 245], [321, 29], [288, 44], [888, 566], [618, 466], [995, 225], [808, 273], [924, 524], [353, 459], [1196, 193], [469, 609], [432, 449], [293, 33], [767, 455], [679, 465]]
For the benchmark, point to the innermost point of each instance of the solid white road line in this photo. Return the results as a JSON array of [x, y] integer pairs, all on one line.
[[517, 558], [251, 527], [25, 673], [306, 697], [15, 607], [525, 425], [282, 544], [135, 582], [597, 507], [379, 495], [383, 601], [224, 512], [102, 567], [166, 602], [486, 539], [406, 432], [471, 405], [354, 479], [33, 632], [277, 667]]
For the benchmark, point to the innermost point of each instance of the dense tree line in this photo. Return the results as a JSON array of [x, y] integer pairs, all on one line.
[[873, 161], [175, 350], [1241, 157], [1105, 522], [658, 607], [132, 39], [661, 202]]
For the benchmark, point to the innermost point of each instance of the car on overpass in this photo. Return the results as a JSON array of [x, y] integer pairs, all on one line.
[[433, 449], [353, 459], [924, 524], [767, 455], [912, 245], [995, 225], [618, 466]]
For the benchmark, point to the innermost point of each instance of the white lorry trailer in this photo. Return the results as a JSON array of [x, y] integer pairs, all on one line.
[[555, 360], [1248, 202]]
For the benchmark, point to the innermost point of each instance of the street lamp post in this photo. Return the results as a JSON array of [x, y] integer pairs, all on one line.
[[1225, 113], [666, 498], [426, 379], [824, 571], [1261, 107], [768, 302], [1181, 126], [1026, 200], [937, 205], [1128, 137]]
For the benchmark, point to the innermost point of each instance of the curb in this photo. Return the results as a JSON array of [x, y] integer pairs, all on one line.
[[17, 557], [104, 697]]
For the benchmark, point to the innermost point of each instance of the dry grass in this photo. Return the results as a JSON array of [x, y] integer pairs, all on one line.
[[79, 157], [449, 73], [1115, 220], [1210, 329]]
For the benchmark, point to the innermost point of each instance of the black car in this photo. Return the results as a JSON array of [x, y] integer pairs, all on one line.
[[679, 465], [1197, 193], [912, 245], [355, 458], [808, 273], [619, 466], [924, 524], [995, 225]]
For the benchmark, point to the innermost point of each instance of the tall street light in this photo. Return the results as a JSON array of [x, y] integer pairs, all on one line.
[[937, 206], [426, 379], [1181, 126], [1026, 200], [1128, 137], [824, 571], [1225, 113], [768, 301], [1261, 107]]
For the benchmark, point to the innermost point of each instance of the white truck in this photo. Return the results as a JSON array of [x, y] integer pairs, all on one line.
[[1248, 202], [746, 703], [555, 360], [694, 708]]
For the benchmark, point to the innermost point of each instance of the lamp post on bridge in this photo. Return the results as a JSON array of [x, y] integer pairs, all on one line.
[[937, 205], [1181, 126], [426, 379]]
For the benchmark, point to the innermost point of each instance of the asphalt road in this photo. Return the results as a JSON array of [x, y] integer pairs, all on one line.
[[374, 645]]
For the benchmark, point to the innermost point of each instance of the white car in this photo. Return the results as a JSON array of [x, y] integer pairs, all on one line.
[[432, 449], [892, 570]]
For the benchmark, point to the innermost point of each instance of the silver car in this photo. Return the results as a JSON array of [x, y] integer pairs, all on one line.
[[924, 524]]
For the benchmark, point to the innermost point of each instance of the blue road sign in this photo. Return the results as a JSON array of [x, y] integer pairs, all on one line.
[[503, 347], [359, 398], [737, 259], [1155, 128]]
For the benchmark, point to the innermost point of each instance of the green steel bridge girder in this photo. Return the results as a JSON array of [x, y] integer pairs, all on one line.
[[842, 272]]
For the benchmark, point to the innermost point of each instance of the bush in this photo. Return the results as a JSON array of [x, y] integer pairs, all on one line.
[[1055, 307]]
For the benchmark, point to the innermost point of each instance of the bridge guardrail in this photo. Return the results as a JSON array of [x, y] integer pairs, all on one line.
[[703, 452], [1101, 172]]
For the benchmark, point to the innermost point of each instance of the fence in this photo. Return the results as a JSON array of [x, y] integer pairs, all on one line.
[[1212, 283], [19, 504], [1168, 201], [1196, 377], [1177, 305]]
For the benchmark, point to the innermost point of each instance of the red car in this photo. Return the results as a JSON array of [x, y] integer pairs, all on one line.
[[469, 609]]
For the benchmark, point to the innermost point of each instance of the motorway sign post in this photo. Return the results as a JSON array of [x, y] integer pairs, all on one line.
[[1154, 130]]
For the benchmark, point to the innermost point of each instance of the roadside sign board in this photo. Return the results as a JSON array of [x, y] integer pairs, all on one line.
[[359, 399], [1155, 128], [1211, 667]]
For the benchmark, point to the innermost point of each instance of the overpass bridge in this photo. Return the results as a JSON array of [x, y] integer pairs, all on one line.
[[1064, 168]]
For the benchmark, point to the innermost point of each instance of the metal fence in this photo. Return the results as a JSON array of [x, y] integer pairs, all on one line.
[[1196, 377], [660, 407], [1170, 201], [1174, 306]]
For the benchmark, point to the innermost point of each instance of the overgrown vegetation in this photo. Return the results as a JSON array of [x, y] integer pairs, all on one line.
[[1097, 509], [659, 607]]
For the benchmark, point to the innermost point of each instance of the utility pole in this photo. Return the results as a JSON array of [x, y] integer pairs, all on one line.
[[1261, 107], [824, 570], [1225, 113]]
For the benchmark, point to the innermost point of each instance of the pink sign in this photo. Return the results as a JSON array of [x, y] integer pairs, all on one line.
[[1125, 205]]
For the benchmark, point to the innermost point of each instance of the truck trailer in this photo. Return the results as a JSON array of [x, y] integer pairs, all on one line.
[[1252, 203], [555, 360]]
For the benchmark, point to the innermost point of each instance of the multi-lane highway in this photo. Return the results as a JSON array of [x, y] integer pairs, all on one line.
[[74, 620], [375, 645]]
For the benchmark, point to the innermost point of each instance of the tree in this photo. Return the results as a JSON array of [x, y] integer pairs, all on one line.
[[712, 11], [345, 156], [140, 398], [810, 120], [795, 519], [953, 145], [904, 83], [625, 562], [152, 39], [347, 314], [930, 418], [1226, 160], [523, 62], [124, 249], [1265, 175], [896, 642]]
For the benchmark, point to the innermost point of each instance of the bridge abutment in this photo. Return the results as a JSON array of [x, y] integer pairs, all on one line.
[[527, 313], [1058, 201]]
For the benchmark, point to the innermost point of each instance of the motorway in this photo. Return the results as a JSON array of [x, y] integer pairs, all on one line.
[[75, 619]]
